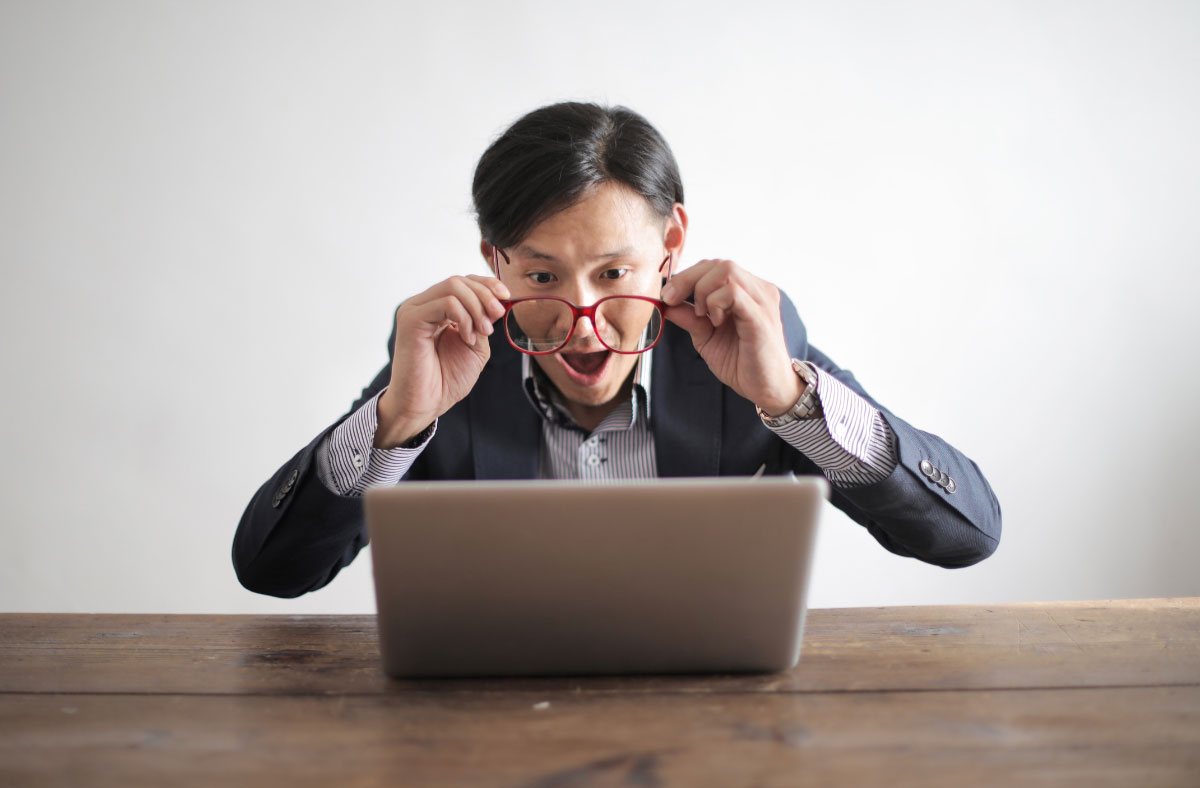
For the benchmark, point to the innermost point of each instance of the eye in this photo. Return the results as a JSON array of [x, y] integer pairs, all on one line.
[[541, 277], [614, 273]]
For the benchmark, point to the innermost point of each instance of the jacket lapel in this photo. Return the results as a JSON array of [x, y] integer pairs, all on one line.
[[685, 413], [685, 410], [505, 431]]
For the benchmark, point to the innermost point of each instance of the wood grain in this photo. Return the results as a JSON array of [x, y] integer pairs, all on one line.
[[1094, 644], [1095, 737], [1089, 693]]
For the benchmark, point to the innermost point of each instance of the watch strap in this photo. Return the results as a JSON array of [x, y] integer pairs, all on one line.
[[809, 404]]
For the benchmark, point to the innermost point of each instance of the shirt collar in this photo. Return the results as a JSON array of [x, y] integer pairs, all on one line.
[[548, 403]]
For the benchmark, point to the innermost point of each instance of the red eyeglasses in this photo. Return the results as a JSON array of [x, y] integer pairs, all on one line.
[[545, 324]]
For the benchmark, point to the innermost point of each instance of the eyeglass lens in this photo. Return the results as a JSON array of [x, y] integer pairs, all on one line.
[[623, 324]]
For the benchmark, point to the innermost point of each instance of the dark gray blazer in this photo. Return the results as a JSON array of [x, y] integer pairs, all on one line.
[[296, 534]]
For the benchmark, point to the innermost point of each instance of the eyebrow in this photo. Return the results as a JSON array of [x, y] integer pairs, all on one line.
[[533, 254]]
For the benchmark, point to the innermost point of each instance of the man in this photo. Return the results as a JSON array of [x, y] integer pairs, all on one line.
[[587, 355]]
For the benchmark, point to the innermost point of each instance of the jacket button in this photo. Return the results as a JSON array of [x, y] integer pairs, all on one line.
[[926, 468], [951, 486], [283, 491]]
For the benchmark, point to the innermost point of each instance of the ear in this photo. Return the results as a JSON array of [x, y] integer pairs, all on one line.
[[674, 235], [488, 252]]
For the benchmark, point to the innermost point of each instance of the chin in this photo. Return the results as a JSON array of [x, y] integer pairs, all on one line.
[[592, 397]]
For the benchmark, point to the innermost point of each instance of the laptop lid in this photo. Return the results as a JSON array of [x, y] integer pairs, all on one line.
[[527, 578]]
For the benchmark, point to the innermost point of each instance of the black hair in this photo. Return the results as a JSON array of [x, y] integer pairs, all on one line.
[[551, 157]]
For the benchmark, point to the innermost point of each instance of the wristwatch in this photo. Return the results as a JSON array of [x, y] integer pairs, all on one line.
[[809, 404]]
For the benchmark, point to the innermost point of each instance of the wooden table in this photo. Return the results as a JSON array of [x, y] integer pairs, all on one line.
[[1095, 693]]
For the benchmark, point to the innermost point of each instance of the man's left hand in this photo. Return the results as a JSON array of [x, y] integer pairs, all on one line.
[[735, 326]]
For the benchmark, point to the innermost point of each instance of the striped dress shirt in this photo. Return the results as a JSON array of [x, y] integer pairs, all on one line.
[[851, 443]]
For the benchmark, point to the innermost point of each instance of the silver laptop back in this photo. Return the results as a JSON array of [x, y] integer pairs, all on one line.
[[552, 578]]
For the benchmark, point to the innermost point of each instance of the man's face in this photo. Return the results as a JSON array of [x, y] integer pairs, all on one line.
[[608, 243]]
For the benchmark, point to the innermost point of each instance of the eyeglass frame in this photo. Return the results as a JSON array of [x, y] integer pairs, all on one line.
[[578, 311]]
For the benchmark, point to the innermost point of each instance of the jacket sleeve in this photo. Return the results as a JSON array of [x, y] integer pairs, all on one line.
[[952, 524], [297, 534]]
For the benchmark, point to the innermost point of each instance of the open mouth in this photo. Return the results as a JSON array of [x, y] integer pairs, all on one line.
[[586, 369]]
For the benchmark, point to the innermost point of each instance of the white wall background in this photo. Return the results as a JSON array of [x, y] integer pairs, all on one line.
[[208, 211]]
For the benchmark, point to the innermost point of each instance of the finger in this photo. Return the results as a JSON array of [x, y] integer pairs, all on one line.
[[495, 287], [718, 302], [488, 299], [699, 327], [447, 311], [716, 277], [498, 288], [721, 301], [683, 283], [472, 299]]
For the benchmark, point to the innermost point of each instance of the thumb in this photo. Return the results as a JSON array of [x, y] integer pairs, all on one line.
[[699, 327]]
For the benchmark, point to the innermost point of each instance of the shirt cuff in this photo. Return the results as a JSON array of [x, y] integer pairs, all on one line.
[[347, 461], [852, 444]]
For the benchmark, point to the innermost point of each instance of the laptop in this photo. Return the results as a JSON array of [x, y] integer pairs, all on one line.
[[544, 578]]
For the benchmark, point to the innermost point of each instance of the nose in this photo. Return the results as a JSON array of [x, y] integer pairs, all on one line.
[[584, 340], [578, 292]]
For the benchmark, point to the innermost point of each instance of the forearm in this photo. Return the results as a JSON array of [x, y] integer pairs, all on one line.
[[296, 537], [954, 523], [298, 531], [348, 460], [946, 514], [847, 438]]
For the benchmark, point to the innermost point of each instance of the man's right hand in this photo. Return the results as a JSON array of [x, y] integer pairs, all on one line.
[[441, 347]]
